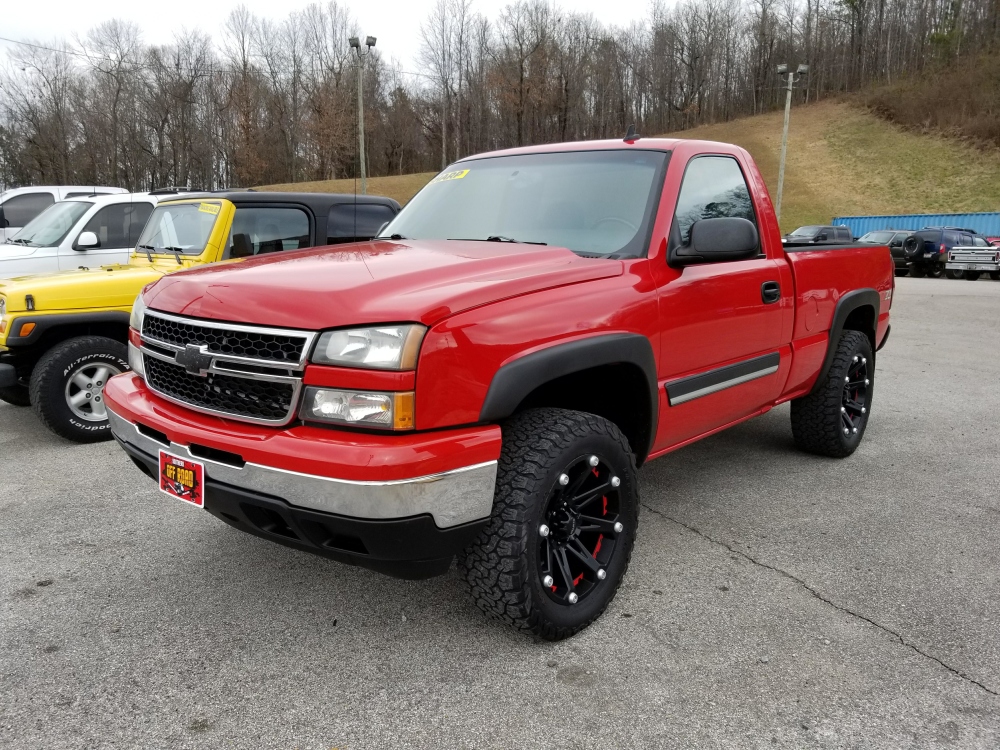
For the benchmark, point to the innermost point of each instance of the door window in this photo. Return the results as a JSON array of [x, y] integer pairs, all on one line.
[[21, 209], [259, 230], [119, 225], [356, 222], [713, 188]]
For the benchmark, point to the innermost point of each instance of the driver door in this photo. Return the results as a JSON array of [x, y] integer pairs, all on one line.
[[723, 354], [116, 227]]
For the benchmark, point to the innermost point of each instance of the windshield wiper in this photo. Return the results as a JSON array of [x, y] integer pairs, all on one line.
[[177, 253], [496, 238], [392, 237], [169, 248], [22, 241]]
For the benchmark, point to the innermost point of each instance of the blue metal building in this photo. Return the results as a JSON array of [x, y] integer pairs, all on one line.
[[987, 224]]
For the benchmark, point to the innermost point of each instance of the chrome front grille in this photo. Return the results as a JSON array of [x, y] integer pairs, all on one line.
[[247, 373]]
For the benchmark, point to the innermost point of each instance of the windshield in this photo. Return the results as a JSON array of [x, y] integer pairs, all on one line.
[[179, 227], [595, 203], [805, 232], [878, 238], [52, 225]]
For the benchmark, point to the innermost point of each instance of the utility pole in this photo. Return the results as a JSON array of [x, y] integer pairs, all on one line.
[[792, 79], [356, 44]]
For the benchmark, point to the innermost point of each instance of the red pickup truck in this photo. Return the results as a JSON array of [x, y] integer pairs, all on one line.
[[484, 378]]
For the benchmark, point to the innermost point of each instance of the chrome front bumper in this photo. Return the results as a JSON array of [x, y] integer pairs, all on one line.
[[451, 498]]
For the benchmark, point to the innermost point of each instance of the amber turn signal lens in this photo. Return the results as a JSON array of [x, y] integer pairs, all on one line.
[[26, 329], [402, 413]]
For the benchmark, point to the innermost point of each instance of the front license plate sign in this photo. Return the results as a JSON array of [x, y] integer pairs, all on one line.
[[183, 479]]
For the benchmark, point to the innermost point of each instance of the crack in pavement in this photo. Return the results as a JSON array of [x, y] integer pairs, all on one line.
[[817, 595]]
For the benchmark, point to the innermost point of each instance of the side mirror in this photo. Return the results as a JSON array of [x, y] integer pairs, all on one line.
[[86, 240], [821, 238], [716, 240]]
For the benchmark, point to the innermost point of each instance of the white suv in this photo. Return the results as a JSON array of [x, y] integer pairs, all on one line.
[[18, 206], [79, 233]]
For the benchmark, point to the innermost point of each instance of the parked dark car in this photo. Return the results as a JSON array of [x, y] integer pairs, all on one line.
[[904, 245], [937, 241], [819, 235]]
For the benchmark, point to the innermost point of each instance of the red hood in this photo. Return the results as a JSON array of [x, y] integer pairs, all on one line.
[[376, 282]]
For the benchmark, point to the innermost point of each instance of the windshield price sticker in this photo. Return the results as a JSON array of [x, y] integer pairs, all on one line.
[[209, 208], [182, 479], [458, 174]]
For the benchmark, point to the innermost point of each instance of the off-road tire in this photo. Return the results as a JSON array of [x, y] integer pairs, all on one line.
[[817, 421], [972, 275], [500, 566], [902, 271], [955, 273], [49, 378], [995, 275], [934, 272], [917, 272]]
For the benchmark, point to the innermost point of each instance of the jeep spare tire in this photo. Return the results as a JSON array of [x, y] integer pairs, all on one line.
[[67, 386]]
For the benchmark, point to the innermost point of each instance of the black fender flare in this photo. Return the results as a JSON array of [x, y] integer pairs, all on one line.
[[45, 323], [847, 304], [513, 382]]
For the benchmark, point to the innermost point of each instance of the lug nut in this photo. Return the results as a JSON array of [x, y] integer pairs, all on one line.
[[855, 358], [563, 479], [864, 410], [88, 395], [573, 598], [867, 381], [593, 460], [543, 530], [847, 380], [602, 574], [843, 410], [547, 582], [90, 385], [615, 481], [864, 361], [855, 429], [846, 431], [618, 527]]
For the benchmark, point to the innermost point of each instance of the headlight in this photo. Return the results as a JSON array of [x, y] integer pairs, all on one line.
[[3, 306], [387, 411], [381, 348], [138, 312]]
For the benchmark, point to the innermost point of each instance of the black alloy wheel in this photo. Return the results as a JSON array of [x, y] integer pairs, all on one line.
[[832, 418], [854, 402], [563, 524], [579, 533]]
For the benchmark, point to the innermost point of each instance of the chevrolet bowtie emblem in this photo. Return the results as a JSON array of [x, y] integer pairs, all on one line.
[[195, 359]]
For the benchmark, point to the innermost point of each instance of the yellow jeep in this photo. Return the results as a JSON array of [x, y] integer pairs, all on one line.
[[63, 335]]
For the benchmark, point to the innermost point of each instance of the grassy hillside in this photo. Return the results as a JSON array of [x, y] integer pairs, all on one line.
[[841, 161], [844, 161], [400, 187]]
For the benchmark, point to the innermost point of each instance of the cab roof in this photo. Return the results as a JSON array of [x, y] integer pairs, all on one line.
[[318, 202]]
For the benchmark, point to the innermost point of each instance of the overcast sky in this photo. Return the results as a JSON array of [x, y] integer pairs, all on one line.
[[396, 23]]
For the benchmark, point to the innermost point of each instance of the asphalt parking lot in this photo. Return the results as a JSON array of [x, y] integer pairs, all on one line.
[[774, 599]]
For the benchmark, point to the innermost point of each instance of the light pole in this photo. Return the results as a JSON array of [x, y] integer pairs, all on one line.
[[792, 79], [356, 44]]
